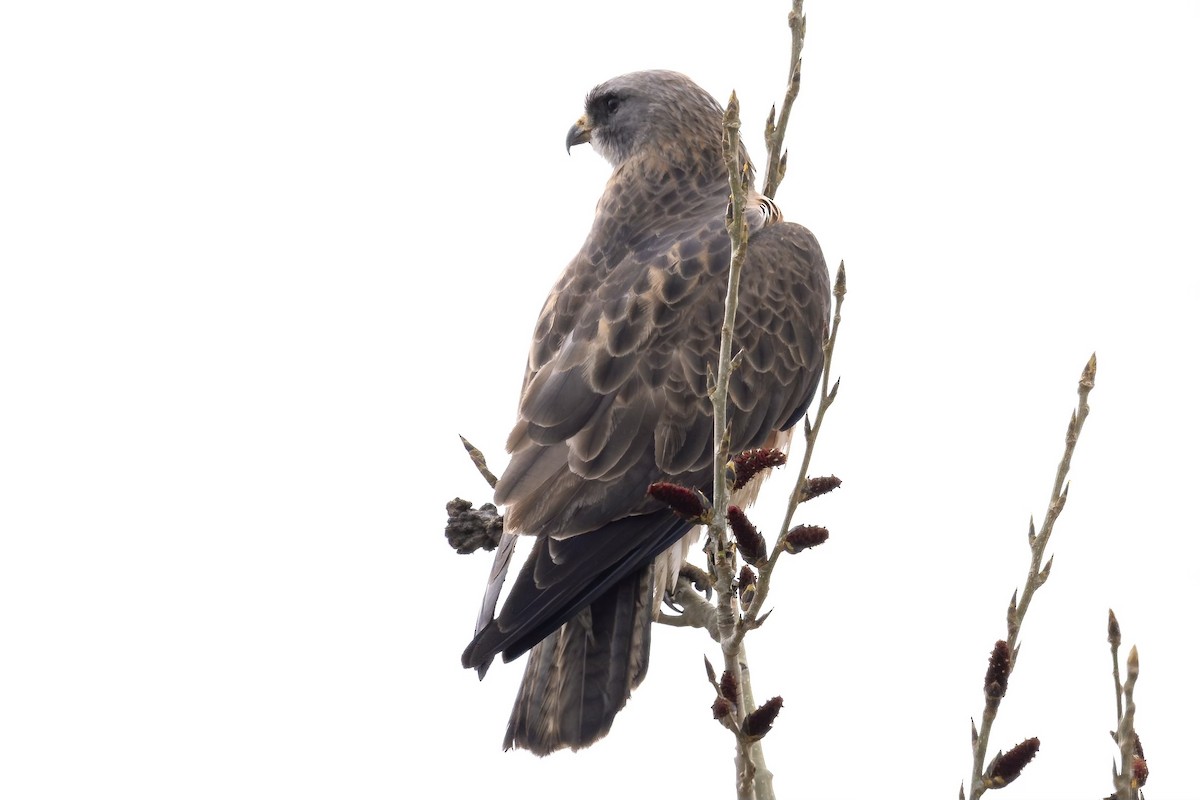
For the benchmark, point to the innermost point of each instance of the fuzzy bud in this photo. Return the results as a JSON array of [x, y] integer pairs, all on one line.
[[759, 721], [747, 586], [803, 537], [1141, 771], [744, 466], [995, 684], [722, 708], [822, 484], [728, 686], [750, 543], [687, 503], [1007, 766]]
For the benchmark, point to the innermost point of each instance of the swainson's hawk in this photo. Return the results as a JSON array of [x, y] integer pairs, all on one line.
[[615, 399]]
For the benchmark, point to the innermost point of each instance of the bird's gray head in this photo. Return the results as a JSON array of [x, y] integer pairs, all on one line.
[[654, 111]]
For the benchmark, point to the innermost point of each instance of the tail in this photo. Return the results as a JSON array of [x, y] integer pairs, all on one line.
[[579, 677]]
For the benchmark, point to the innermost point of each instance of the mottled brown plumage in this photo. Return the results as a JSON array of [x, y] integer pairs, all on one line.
[[615, 399]]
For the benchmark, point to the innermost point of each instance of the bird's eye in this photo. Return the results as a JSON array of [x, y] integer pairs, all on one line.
[[612, 103]]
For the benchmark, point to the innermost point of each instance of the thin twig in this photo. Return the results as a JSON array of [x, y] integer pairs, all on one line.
[[1114, 643], [1126, 738], [1038, 573], [800, 490], [776, 155], [479, 461], [750, 619], [828, 395]]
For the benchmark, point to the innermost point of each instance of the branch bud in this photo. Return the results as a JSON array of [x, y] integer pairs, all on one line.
[[803, 537], [1011, 616], [750, 543], [728, 686], [822, 484], [759, 721], [1006, 767], [995, 684], [721, 708], [747, 464], [1044, 575], [687, 503], [1141, 771], [1088, 379], [747, 586]]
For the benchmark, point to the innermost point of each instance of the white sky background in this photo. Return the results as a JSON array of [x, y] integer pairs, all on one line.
[[263, 261]]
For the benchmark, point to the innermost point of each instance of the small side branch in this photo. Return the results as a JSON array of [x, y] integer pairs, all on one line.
[[479, 461], [1127, 782], [1114, 644], [982, 779], [802, 491], [776, 155], [1134, 770]]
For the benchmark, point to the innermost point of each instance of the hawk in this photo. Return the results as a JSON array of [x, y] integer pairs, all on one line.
[[615, 398]]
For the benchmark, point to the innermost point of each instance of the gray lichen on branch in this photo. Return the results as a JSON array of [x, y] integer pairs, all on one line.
[[469, 529]]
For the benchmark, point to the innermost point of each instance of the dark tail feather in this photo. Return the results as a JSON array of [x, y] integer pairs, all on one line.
[[579, 677], [508, 543]]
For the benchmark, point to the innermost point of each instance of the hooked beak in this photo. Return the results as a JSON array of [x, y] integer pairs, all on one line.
[[580, 132]]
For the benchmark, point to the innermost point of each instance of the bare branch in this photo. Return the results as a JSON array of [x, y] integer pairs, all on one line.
[[1127, 783], [1036, 577], [718, 545], [479, 460], [1114, 643], [776, 155]]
